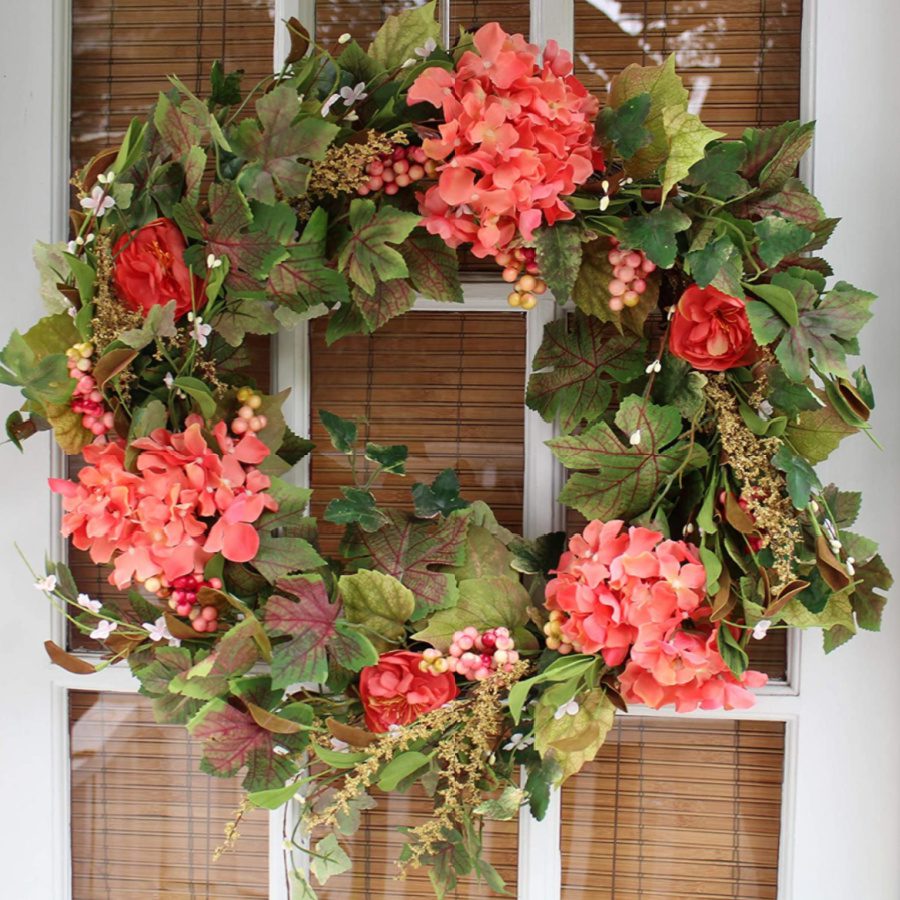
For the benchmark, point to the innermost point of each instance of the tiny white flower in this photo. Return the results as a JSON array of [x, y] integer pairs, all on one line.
[[351, 116], [89, 238], [654, 367], [338, 744], [72, 311], [635, 437], [73, 246], [851, 568], [761, 629], [326, 106], [345, 38], [605, 185], [395, 731], [199, 331], [99, 202], [765, 410], [567, 709], [87, 603], [814, 507], [835, 546], [688, 529], [354, 94], [604, 203], [46, 584], [518, 741], [409, 63], [212, 261], [169, 380], [108, 178], [158, 630], [427, 48], [104, 629]]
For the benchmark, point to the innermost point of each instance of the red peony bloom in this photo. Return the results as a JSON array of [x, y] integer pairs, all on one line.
[[396, 691], [710, 330], [150, 269]]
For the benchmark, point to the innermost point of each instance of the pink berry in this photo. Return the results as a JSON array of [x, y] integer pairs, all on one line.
[[376, 167], [362, 191], [402, 180], [416, 173], [85, 384], [617, 287], [98, 428], [399, 153], [209, 613], [648, 266], [88, 421], [388, 176], [199, 624], [615, 258], [418, 154], [215, 584], [634, 259], [615, 304], [630, 298], [108, 420], [625, 273], [239, 426], [639, 285], [391, 189], [376, 183]]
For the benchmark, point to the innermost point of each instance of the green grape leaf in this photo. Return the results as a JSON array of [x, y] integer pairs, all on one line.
[[388, 300], [391, 458], [773, 153], [622, 480], [779, 238], [844, 505], [681, 386], [366, 255], [379, 604], [793, 202], [440, 498], [624, 126], [43, 381], [155, 677], [708, 261], [655, 234], [412, 552], [342, 432], [356, 507], [815, 434], [688, 137], [800, 475], [235, 653], [559, 250], [868, 604], [279, 556], [483, 602], [274, 145], [568, 383], [718, 170], [291, 515], [400, 35]]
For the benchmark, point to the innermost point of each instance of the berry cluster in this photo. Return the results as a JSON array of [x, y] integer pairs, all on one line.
[[473, 655], [400, 168], [520, 266], [182, 597], [248, 416], [556, 640], [630, 269], [86, 398]]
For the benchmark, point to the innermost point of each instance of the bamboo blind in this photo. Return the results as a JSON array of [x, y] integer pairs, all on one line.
[[740, 59], [377, 844], [123, 50], [145, 821], [676, 808], [449, 385]]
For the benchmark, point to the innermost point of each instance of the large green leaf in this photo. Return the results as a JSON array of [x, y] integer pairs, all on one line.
[[412, 551], [688, 137], [235, 653], [483, 602], [279, 556], [433, 267], [868, 601], [655, 234], [624, 126], [400, 35], [44, 381], [816, 434], [574, 366], [559, 256], [379, 603], [717, 172], [622, 480], [274, 145], [366, 256], [388, 300], [779, 237]]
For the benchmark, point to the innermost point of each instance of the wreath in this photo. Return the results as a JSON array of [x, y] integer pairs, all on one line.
[[701, 374]]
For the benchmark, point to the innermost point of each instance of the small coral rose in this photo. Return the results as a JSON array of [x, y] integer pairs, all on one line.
[[150, 270], [395, 691], [710, 330]]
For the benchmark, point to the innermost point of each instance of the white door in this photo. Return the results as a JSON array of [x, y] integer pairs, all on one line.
[[840, 798]]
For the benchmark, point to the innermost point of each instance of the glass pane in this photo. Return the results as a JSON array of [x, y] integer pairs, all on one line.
[[740, 59], [377, 844], [145, 821], [448, 385], [676, 808]]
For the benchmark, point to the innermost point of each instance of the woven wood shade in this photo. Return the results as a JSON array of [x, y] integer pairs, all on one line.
[[676, 808], [378, 843], [449, 385], [739, 58], [145, 820]]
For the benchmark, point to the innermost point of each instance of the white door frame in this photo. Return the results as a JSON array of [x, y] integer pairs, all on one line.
[[841, 819]]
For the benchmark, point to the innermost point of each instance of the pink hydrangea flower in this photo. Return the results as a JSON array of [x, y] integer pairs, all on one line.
[[517, 138], [186, 501], [639, 600]]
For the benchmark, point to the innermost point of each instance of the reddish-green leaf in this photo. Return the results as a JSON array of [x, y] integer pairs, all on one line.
[[234, 654], [390, 299], [411, 551], [178, 131], [433, 267], [577, 358], [227, 234], [627, 477]]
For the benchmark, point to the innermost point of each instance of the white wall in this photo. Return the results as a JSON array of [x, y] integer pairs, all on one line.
[[850, 738]]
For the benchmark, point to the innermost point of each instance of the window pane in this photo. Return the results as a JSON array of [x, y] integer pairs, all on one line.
[[377, 844], [676, 808], [145, 820], [740, 59], [448, 385]]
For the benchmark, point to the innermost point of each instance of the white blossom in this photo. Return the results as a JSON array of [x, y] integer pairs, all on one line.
[[345, 38], [98, 202], [88, 603], [426, 49], [212, 261], [159, 631], [326, 106], [567, 709], [104, 629], [654, 368], [199, 331], [761, 629], [46, 584], [635, 437], [518, 741], [108, 178], [351, 95]]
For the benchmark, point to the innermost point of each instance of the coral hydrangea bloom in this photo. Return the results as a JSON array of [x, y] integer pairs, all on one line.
[[517, 138], [186, 502], [638, 600]]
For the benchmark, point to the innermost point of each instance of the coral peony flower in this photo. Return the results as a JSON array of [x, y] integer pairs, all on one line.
[[150, 270], [186, 502], [638, 600], [710, 330], [516, 138], [396, 691]]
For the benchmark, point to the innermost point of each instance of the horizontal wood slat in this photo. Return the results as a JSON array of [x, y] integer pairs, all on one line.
[[676, 809], [740, 59], [144, 820], [449, 385]]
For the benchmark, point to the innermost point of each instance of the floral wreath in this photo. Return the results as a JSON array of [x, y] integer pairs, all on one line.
[[700, 376]]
